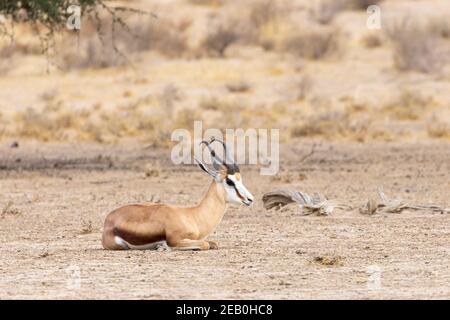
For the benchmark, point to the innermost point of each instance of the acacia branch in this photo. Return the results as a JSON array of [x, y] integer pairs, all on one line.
[[52, 16]]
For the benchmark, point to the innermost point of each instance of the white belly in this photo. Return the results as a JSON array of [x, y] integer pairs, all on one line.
[[149, 246]]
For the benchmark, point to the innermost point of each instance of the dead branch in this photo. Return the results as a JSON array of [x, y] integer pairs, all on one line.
[[383, 204], [49, 17], [316, 204]]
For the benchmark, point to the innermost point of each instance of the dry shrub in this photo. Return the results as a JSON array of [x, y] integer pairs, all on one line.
[[415, 47], [6, 54], [225, 114], [440, 27], [34, 124], [338, 125], [1, 122], [238, 86], [215, 104], [207, 3], [134, 120], [185, 118], [325, 11], [167, 99], [228, 112], [410, 105], [160, 35], [264, 19], [49, 95], [372, 41], [263, 13], [5, 67], [304, 86], [320, 125], [55, 123], [313, 44], [99, 49], [362, 4], [7, 51], [217, 41], [93, 55]]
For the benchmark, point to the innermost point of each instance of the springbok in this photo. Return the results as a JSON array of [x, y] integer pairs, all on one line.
[[151, 226]]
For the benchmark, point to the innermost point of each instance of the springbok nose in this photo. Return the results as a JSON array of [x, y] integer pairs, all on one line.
[[248, 201]]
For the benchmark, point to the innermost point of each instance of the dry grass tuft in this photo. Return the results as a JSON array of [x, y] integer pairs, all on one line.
[[45, 253], [333, 125], [410, 105], [152, 170], [87, 227], [438, 130], [215, 104], [329, 260], [285, 176], [9, 209], [58, 123]]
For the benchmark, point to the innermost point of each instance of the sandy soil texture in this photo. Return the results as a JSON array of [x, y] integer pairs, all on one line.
[[54, 198]]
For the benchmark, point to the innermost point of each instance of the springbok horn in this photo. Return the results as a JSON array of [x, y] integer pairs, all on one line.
[[217, 161], [229, 163]]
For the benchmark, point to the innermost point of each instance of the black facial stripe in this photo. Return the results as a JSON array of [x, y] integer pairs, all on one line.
[[238, 193], [231, 184]]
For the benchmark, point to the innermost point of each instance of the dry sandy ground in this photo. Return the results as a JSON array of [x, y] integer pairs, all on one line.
[[56, 191]]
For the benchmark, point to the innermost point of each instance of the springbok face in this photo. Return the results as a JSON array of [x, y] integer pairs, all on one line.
[[235, 189], [227, 173]]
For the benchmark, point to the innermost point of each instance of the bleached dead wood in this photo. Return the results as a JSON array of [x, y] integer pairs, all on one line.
[[319, 205], [385, 204], [316, 204]]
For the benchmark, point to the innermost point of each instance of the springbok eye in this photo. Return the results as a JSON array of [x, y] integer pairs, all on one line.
[[229, 182]]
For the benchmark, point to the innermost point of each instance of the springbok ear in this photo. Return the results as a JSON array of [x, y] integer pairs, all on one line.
[[206, 169]]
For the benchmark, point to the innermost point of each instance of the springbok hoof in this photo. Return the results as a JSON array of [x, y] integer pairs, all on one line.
[[213, 245]]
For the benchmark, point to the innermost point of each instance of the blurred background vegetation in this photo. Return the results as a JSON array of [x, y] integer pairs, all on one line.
[[143, 68], [52, 13]]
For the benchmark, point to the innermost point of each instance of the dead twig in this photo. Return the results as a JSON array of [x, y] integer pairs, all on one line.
[[309, 154]]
